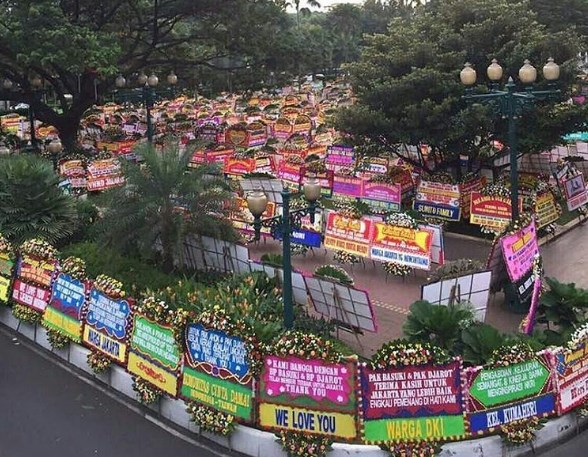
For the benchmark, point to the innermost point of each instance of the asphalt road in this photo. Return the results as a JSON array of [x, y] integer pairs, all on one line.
[[576, 447], [47, 411]]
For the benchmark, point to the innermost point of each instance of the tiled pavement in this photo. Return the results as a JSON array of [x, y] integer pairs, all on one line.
[[566, 259]]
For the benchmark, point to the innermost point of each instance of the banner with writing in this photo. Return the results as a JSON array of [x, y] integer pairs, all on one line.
[[575, 191], [438, 200], [347, 234], [490, 387], [154, 354], [403, 245], [546, 209], [519, 249], [107, 325], [571, 376], [216, 371], [412, 403], [490, 210], [465, 192], [36, 271], [30, 295], [64, 312], [104, 174], [308, 395]]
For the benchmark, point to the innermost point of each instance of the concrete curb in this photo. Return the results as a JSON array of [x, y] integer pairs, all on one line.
[[256, 443]]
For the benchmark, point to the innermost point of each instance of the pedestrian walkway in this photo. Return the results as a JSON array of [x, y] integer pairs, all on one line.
[[565, 258]]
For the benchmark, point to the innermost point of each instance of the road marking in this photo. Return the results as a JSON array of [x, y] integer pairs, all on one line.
[[396, 309]]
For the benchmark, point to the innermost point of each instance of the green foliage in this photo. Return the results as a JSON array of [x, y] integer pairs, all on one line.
[[478, 342], [408, 86], [334, 273], [437, 324], [275, 260], [562, 307], [163, 203], [31, 204], [136, 275], [307, 323], [455, 269]]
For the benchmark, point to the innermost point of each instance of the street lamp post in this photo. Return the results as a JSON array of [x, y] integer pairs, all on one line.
[[510, 104], [147, 95], [36, 84], [282, 225], [55, 148]]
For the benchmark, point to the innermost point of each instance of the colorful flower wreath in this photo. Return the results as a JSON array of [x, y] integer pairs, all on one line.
[[334, 273], [6, 247], [497, 189], [57, 339], [520, 431], [401, 353], [39, 248], [218, 319], [348, 208], [98, 362], [26, 314], [307, 346], [401, 220], [513, 227], [579, 336], [510, 354], [146, 392], [396, 269], [297, 444], [345, 258], [74, 267], [160, 312], [211, 420], [412, 448], [109, 286]]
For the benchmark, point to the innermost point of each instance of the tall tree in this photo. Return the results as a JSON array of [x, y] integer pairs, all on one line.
[[163, 203], [407, 80], [78, 46]]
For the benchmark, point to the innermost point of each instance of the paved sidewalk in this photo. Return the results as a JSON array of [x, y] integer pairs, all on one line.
[[566, 258]]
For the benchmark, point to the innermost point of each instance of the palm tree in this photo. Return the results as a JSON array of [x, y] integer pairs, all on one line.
[[304, 10], [162, 203], [31, 203]]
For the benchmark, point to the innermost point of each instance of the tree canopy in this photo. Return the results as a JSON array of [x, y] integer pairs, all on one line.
[[77, 46], [407, 80]]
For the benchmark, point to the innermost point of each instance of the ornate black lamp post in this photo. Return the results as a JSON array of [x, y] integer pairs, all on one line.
[[510, 104], [282, 225]]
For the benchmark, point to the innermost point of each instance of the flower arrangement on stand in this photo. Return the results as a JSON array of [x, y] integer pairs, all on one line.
[[207, 418], [398, 354], [160, 312], [39, 248], [401, 353], [147, 393], [509, 354], [401, 220], [98, 362], [412, 449], [211, 420], [109, 286], [76, 268], [396, 269], [522, 431], [26, 314], [345, 258], [6, 247], [334, 273], [306, 346], [297, 444]]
